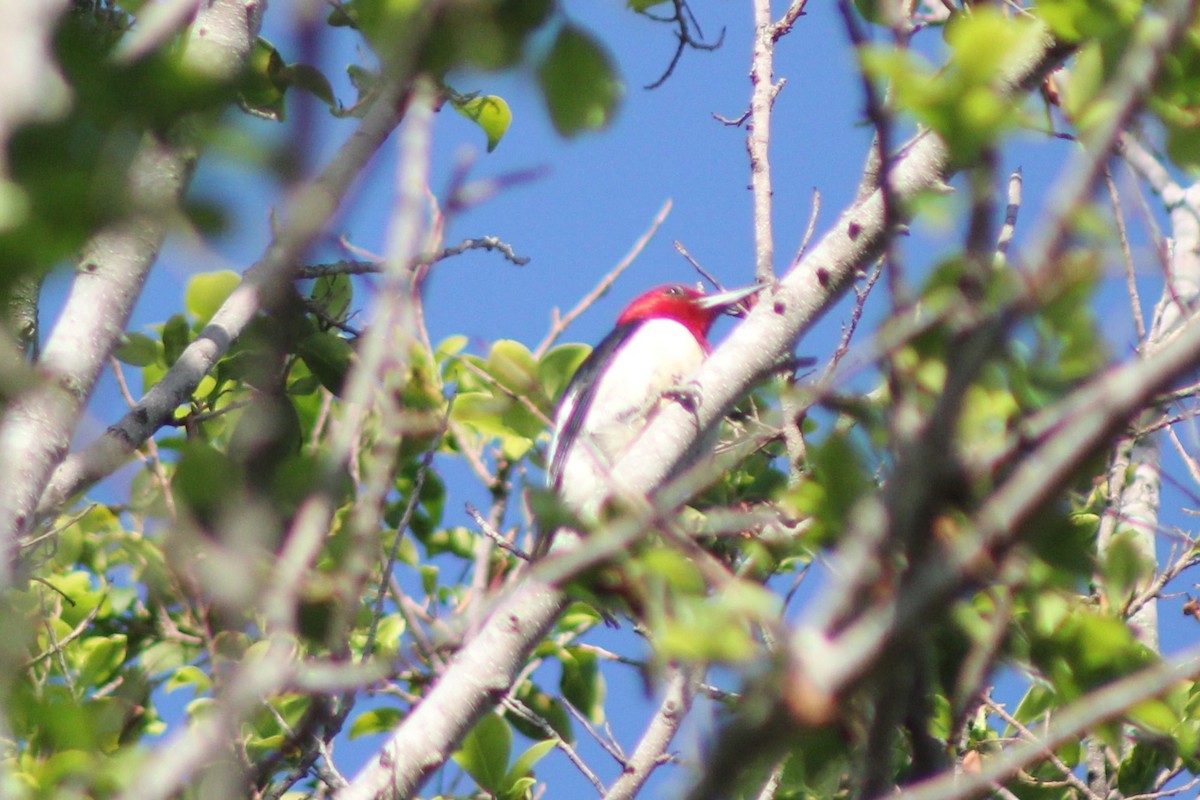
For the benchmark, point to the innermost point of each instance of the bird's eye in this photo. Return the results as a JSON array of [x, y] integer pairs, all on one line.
[[673, 291]]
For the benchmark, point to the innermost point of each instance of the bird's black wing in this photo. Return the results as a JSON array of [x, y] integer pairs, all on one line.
[[577, 399]]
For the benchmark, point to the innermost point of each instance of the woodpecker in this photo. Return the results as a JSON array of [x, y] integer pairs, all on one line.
[[660, 339]]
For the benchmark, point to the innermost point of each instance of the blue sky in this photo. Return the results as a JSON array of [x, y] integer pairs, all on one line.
[[598, 195]]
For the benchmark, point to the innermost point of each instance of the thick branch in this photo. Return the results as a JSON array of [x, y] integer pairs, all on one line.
[[483, 669], [303, 218], [36, 430], [475, 681]]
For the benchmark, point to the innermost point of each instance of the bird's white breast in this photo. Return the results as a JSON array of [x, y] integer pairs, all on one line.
[[658, 356]]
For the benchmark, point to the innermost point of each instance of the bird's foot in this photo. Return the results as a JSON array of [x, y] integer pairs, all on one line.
[[687, 395]]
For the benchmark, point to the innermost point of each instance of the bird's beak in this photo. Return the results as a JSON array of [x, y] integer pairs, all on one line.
[[729, 300]]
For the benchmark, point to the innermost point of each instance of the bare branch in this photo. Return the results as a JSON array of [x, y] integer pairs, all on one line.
[[684, 22], [1135, 300], [681, 688], [491, 660], [561, 323]]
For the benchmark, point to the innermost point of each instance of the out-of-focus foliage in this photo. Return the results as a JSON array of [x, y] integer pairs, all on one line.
[[154, 601]]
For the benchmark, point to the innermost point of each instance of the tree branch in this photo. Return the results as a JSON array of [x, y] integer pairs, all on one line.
[[1068, 725], [304, 217], [487, 664], [681, 688], [36, 428]]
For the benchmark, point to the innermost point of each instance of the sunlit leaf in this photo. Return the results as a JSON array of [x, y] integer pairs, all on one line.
[[206, 292], [377, 720], [485, 751], [138, 349], [490, 113]]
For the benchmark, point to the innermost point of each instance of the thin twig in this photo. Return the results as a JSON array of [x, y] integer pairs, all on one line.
[[860, 301], [524, 400], [683, 251], [517, 708], [881, 120], [1068, 725], [610, 744], [57, 644], [495, 535], [683, 36], [1029, 736], [810, 230], [410, 508], [1135, 300], [356, 267], [560, 323]]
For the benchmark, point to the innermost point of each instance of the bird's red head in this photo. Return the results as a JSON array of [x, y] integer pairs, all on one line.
[[689, 307]]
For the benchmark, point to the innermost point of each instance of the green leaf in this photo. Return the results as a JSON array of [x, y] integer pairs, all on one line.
[[525, 762], [520, 789], [1124, 568], [677, 570], [388, 634], [208, 216], [963, 101], [703, 629], [1073, 20], [311, 80], [513, 366], [557, 367], [489, 112], [484, 752], [77, 586], [578, 617], [207, 291], [138, 350], [983, 41], [642, 5], [102, 656], [333, 295], [1033, 705], [176, 334], [265, 82], [582, 683], [750, 601], [266, 433], [579, 83], [1155, 716], [377, 720], [365, 82], [341, 16], [189, 675], [838, 479], [328, 356], [450, 346], [429, 578], [206, 480], [1140, 767], [879, 12], [163, 656], [489, 415]]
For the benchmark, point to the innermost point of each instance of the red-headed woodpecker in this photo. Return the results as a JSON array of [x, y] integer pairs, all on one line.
[[660, 339]]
